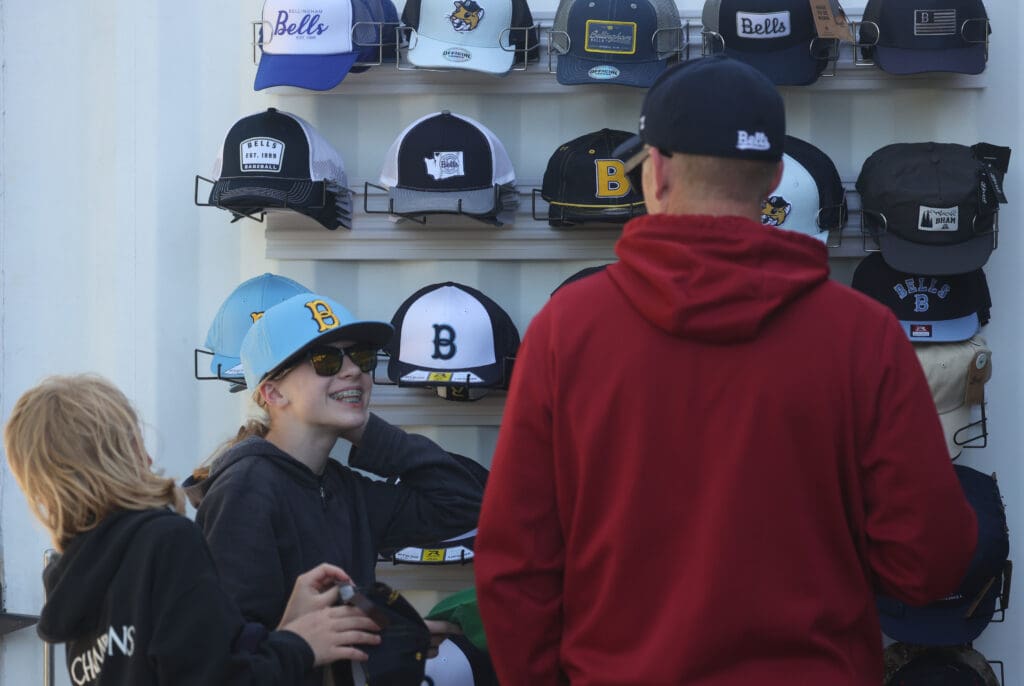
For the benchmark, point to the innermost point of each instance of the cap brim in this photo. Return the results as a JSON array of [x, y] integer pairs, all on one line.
[[631, 152], [226, 367], [314, 72], [935, 260], [942, 623], [430, 52], [481, 201], [968, 60], [942, 331], [375, 333], [247, 193], [573, 70], [794, 66], [560, 215]]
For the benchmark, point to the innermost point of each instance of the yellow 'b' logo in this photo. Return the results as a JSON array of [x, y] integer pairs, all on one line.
[[323, 314], [611, 179], [255, 316]]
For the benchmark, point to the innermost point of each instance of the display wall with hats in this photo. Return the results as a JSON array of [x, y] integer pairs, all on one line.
[[448, 165]]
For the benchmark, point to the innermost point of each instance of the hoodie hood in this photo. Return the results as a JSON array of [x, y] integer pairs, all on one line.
[[79, 579], [199, 483], [714, 279]]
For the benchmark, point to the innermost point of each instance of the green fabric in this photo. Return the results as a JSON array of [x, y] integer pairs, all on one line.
[[461, 608]]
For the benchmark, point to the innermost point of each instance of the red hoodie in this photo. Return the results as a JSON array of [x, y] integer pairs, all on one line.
[[711, 459]]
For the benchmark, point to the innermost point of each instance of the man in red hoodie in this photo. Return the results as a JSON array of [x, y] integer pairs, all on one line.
[[713, 457]]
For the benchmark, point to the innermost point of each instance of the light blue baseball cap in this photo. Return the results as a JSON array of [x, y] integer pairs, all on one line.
[[245, 305], [288, 327]]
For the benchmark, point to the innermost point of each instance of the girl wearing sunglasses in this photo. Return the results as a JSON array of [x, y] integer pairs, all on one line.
[[274, 502]]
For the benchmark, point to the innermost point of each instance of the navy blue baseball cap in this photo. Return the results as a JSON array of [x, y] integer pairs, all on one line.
[[961, 617], [715, 106], [915, 36], [776, 36]]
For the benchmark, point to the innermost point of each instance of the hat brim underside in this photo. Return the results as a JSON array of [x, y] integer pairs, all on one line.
[[573, 70], [968, 60], [313, 72], [935, 260], [490, 376], [560, 215], [429, 52], [227, 367], [269, 192], [794, 66], [943, 331], [409, 201], [942, 623]]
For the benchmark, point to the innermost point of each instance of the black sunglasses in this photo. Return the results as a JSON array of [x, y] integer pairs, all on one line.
[[327, 360]]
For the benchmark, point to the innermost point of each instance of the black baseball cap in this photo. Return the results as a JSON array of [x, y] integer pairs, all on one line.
[[931, 206], [277, 161], [585, 183], [931, 309], [715, 106], [914, 36], [778, 37]]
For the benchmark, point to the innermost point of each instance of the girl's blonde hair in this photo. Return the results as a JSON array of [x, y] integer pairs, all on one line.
[[75, 446]]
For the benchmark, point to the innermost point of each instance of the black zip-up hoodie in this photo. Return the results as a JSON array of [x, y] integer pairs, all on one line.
[[138, 602], [268, 518]]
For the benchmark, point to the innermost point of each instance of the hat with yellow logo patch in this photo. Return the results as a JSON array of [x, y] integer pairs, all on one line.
[[450, 335], [810, 198], [625, 42], [288, 327], [585, 182]]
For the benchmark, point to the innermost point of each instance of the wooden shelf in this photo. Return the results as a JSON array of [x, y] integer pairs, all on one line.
[[404, 406]]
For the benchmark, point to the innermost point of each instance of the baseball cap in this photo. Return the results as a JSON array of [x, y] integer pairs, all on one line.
[[627, 42], [585, 183], [810, 198], [914, 665], [288, 327], [731, 110], [478, 35], [931, 206], [314, 45], [576, 276], [449, 163], [460, 663], [957, 374], [778, 37], [931, 309], [914, 36], [240, 309], [449, 334], [277, 161], [400, 657], [962, 616]]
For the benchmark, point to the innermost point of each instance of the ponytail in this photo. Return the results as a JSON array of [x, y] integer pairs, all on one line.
[[256, 424]]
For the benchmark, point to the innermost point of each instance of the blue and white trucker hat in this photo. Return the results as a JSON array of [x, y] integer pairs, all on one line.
[[288, 327], [236, 315], [314, 45]]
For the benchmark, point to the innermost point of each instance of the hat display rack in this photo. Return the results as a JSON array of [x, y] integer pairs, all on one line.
[[680, 53], [713, 43], [260, 214], [521, 56], [858, 46], [421, 217]]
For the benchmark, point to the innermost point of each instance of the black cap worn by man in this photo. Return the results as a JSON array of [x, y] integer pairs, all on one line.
[[741, 114]]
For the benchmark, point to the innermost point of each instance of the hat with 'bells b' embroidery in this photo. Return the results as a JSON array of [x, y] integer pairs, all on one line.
[[289, 327], [452, 336]]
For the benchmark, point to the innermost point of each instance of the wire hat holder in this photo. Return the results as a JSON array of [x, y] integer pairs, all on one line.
[[237, 383], [420, 216], [616, 221], [407, 37], [858, 46], [680, 51], [872, 235]]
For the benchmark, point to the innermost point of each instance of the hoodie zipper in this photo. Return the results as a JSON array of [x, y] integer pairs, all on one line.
[[323, 493]]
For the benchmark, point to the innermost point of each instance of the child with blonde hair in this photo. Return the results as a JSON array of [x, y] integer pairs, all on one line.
[[135, 594]]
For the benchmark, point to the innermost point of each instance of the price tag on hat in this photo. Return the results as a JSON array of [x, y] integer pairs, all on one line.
[[831, 21]]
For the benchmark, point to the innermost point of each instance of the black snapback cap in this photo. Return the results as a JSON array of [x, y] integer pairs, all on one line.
[[716, 106], [585, 183], [931, 206]]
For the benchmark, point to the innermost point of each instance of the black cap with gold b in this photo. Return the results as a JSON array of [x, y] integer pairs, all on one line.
[[586, 183]]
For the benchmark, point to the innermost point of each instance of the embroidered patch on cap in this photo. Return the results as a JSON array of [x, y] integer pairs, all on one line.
[[920, 330], [938, 218], [752, 141], [444, 165], [763, 24], [261, 154], [935, 22], [612, 37]]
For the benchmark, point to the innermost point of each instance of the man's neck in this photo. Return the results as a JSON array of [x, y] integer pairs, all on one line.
[[714, 207]]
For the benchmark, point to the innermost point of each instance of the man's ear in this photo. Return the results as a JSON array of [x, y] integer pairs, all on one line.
[[272, 395], [656, 182]]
